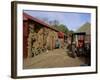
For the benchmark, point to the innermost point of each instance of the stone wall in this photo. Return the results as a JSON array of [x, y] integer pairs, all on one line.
[[40, 38]]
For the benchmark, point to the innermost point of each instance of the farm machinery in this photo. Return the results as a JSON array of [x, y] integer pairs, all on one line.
[[79, 46]]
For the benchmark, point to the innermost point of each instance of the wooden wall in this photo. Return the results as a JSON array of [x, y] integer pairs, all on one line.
[[25, 37]]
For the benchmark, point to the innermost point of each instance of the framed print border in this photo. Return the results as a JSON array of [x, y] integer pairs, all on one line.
[[14, 42]]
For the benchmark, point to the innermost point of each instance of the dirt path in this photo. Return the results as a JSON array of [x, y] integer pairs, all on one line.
[[55, 58]]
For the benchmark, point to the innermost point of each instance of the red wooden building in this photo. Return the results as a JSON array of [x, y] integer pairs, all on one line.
[[32, 22]]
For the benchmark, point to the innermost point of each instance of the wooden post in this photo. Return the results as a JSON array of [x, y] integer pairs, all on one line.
[[25, 37]]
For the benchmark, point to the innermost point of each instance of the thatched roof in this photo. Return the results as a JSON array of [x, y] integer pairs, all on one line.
[[85, 28]]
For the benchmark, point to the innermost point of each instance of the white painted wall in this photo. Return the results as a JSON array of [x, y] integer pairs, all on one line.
[[5, 40]]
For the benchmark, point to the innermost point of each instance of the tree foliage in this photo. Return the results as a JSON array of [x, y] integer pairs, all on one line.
[[60, 27], [56, 24], [63, 28]]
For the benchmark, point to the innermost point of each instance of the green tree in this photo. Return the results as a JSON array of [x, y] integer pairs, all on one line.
[[71, 31], [63, 28]]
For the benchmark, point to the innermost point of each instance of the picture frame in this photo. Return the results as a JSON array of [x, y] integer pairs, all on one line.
[[18, 70]]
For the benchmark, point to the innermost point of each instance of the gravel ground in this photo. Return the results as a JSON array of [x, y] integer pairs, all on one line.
[[52, 59]]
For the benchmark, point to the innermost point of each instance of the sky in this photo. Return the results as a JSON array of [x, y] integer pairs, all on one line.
[[72, 20]]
